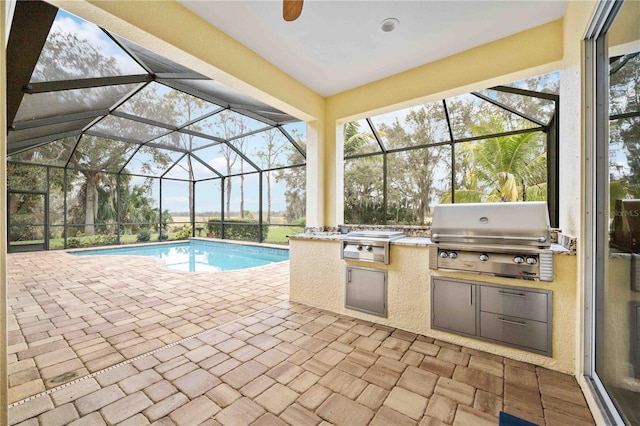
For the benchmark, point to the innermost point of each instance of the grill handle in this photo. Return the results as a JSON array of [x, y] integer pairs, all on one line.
[[540, 239]]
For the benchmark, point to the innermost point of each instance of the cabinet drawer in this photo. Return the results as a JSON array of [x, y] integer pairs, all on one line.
[[515, 331], [514, 302]]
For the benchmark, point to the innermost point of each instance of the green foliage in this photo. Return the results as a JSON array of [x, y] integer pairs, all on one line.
[[506, 168], [163, 237], [184, 233], [74, 242], [237, 229], [144, 235], [91, 240]]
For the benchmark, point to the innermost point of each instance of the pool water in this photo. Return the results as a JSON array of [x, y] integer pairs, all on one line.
[[199, 256]]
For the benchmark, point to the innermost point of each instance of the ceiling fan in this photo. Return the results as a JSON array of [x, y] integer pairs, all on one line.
[[291, 9]]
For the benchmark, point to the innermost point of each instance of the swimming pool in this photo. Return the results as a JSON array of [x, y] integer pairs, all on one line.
[[199, 256]]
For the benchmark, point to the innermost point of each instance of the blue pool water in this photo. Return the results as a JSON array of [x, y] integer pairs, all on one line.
[[199, 256]]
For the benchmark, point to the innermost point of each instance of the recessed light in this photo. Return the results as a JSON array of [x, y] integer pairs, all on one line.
[[389, 25]]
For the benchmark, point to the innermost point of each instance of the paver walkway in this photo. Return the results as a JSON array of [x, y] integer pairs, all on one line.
[[254, 359]]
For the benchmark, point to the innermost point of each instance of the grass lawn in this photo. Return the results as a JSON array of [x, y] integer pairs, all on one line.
[[276, 235]]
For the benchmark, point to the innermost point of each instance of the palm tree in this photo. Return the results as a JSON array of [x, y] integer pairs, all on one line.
[[504, 168], [354, 139]]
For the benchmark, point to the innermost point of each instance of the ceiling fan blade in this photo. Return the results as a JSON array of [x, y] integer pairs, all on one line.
[[291, 9]]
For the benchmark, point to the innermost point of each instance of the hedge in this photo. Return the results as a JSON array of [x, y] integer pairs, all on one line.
[[241, 230]]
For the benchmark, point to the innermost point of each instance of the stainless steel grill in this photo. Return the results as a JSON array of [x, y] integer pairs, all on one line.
[[369, 246], [504, 239]]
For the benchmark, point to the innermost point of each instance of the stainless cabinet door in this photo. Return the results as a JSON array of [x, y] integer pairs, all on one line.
[[453, 306], [366, 290]]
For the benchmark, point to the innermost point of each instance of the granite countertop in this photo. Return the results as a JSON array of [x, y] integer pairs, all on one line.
[[331, 236], [406, 241]]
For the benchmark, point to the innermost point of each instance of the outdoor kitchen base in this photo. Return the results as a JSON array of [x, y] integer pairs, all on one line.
[[513, 316], [318, 275]]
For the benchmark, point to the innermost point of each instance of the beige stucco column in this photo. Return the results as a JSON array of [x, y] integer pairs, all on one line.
[[315, 175], [332, 174]]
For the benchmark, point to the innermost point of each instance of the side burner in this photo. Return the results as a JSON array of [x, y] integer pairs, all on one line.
[[369, 246]]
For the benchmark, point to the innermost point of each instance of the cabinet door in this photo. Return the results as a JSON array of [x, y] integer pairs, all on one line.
[[366, 290], [453, 306]]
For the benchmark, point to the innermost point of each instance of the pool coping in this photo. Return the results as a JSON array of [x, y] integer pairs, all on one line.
[[214, 240]]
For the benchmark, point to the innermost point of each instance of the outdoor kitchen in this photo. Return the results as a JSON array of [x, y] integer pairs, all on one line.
[[491, 277]]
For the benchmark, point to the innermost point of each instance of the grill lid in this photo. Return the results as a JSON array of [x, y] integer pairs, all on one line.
[[521, 224]]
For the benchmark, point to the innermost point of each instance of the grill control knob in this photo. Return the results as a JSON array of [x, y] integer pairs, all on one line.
[[369, 248], [518, 259], [359, 247], [484, 257], [453, 255], [531, 260], [444, 254]]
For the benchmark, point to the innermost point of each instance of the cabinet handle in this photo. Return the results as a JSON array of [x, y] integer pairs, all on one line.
[[506, 293], [349, 276], [521, 324], [470, 296]]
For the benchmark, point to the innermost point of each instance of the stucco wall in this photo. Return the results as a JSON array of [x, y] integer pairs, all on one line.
[[318, 274]]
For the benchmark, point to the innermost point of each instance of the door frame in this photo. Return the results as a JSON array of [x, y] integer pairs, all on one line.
[[29, 247]]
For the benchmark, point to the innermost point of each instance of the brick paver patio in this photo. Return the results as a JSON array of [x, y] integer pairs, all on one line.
[[97, 341]]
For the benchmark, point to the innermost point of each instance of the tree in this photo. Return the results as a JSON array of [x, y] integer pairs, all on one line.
[[357, 141], [295, 179], [231, 125], [363, 195], [504, 168], [412, 173], [65, 56], [624, 132], [183, 108], [363, 201], [268, 157]]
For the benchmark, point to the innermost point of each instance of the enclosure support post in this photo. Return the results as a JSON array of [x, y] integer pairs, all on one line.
[[160, 213], [260, 236], [222, 208], [553, 165], [118, 208], [65, 230], [46, 211], [192, 213]]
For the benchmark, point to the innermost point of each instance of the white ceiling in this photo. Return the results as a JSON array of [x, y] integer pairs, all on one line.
[[338, 45]]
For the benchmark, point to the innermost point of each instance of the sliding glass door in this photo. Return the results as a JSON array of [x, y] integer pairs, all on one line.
[[613, 118]]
